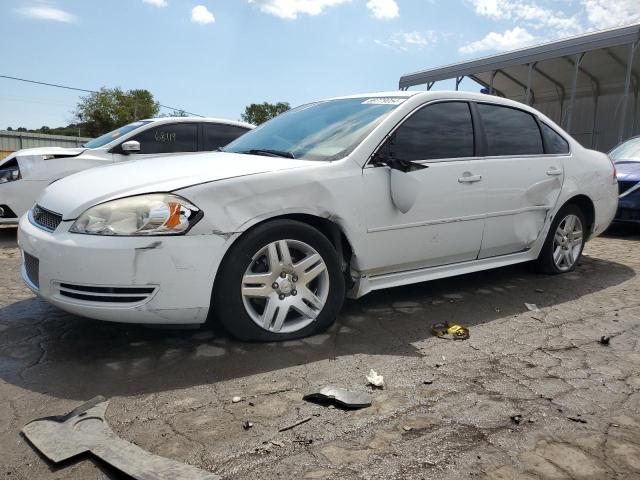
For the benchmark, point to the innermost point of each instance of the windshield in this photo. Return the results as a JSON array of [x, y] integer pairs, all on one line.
[[629, 150], [319, 131], [111, 136]]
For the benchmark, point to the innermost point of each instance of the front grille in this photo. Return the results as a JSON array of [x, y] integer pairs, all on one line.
[[6, 212], [46, 219], [120, 295], [623, 186], [32, 268], [627, 214]]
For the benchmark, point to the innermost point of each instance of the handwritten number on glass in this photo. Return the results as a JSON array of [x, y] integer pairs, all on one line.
[[165, 137]]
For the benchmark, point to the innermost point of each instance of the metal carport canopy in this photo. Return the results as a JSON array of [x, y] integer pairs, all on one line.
[[590, 65]]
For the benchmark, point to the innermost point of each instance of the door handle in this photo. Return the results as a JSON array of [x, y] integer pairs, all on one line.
[[554, 171], [469, 178]]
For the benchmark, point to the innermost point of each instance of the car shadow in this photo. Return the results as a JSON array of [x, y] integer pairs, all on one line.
[[8, 236], [46, 350], [625, 231]]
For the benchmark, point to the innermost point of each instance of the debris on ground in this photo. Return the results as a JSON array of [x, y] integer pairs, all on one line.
[[516, 419], [577, 419], [340, 397], [457, 332], [247, 425], [236, 399], [532, 307], [604, 340], [374, 379], [428, 382], [407, 428], [277, 444], [294, 425], [85, 429], [539, 290]]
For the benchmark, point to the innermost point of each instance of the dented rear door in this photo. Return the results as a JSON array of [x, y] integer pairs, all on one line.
[[523, 182]]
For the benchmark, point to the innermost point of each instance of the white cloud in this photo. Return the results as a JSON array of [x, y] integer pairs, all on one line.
[[200, 14], [509, 40], [384, 9], [46, 12], [611, 13], [528, 13], [156, 3], [290, 9], [403, 41]]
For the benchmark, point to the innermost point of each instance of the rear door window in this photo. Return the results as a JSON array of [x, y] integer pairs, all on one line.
[[169, 138], [216, 135], [510, 131], [441, 130]]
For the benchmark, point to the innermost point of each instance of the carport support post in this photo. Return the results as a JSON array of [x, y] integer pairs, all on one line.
[[493, 76], [574, 85], [458, 80], [527, 99], [429, 85], [625, 95]]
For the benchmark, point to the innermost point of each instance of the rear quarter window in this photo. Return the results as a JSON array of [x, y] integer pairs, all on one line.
[[555, 143]]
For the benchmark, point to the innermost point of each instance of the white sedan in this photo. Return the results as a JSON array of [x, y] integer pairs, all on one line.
[[347, 195], [25, 173]]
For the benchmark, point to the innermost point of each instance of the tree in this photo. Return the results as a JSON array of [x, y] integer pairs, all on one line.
[[258, 113], [175, 113], [111, 108]]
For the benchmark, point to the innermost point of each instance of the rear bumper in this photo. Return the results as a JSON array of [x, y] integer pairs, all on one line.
[[153, 280], [628, 208]]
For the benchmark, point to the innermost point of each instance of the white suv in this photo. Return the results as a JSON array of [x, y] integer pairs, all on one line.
[[25, 173]]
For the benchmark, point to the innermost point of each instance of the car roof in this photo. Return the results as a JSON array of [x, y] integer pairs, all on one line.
[[198, 119], [445, 94]]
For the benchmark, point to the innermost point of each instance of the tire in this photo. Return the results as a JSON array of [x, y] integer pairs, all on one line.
[[546, 263], [251, 298]]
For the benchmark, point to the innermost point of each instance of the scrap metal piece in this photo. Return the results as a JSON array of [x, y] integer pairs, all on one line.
[[85, 429], [340, 397]]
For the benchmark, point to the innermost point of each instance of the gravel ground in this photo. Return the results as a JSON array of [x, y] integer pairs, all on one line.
[[445, 411]]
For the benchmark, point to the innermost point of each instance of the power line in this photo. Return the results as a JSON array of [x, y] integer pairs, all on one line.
[[85, 91]]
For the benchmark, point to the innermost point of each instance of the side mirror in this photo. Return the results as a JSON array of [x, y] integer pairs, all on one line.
[[130, 146], [385, 156], [405, 189]]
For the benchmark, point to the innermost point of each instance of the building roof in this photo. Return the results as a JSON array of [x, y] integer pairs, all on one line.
[[602, 67]]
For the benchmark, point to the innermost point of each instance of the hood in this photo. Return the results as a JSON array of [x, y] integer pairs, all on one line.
[[30, 159], [628, 170], [72, 195]]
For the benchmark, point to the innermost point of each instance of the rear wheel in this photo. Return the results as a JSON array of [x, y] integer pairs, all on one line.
[[565, 241], [280, 281]]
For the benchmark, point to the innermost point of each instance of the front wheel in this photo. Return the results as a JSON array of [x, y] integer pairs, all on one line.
[[280, 281], [563, 246]]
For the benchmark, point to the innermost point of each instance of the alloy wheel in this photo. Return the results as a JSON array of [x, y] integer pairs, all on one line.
[[567, 242], [286, 286]]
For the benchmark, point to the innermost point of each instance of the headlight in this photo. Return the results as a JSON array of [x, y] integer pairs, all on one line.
[[154, 214], [9, 174]]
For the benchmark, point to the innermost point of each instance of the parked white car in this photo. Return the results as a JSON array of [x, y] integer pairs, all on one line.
[[25, 173], [350, 194]]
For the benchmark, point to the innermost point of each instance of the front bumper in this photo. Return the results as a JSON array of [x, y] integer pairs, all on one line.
[[628, 208], [153, 280]]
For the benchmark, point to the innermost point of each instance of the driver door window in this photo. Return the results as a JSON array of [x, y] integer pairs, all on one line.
[[442, 130]]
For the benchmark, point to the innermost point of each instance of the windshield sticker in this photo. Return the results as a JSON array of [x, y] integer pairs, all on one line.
[[115, 134], [383, 101]]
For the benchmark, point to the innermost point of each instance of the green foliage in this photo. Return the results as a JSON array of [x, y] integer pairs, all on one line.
[[174, 113], [111, 108], [258, 113]]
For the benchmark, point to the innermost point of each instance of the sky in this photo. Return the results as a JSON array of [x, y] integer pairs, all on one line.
[[214, 57]]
